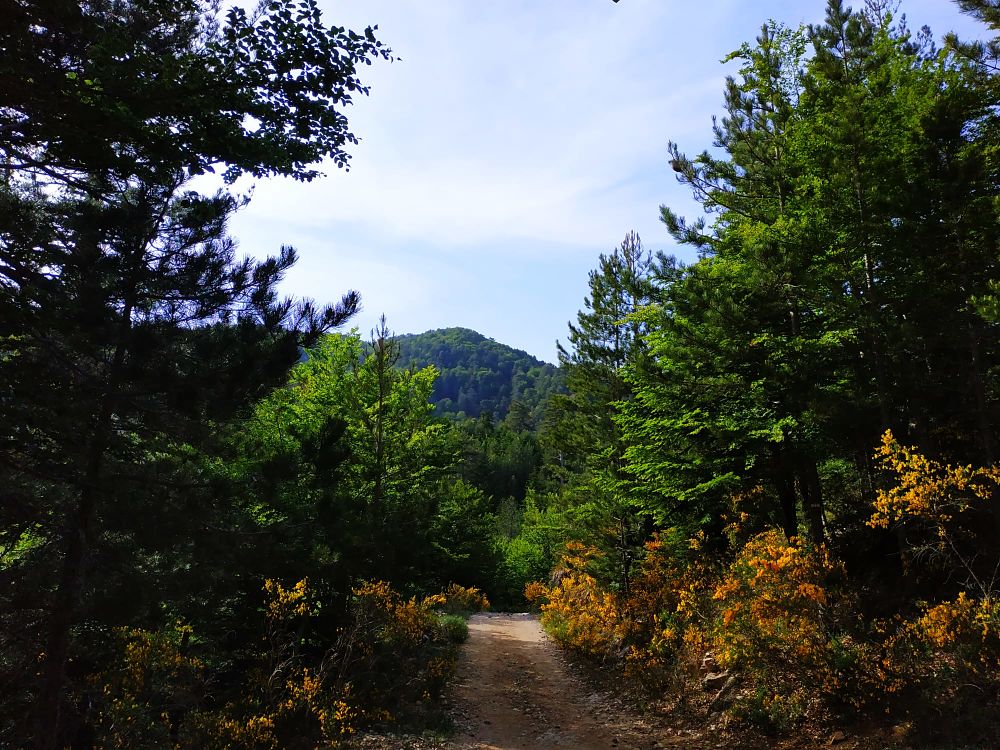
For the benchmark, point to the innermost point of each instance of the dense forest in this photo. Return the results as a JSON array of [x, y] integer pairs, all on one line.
[[796, 486], [477, 375], [771, 472]]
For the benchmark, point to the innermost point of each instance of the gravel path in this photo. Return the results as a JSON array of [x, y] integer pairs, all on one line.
[[515, 691]]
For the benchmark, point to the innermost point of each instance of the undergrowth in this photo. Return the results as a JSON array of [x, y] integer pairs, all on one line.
[[388, 662], [777, 617]]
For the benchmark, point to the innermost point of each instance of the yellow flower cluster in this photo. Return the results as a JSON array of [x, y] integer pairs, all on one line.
[[464, 599], [389, 653], [771, 605], [153, 668], [960, 637], [403, 621], [774, 614], [649, 624], [577, 611], [257, 732], [377, 594], [287, 603], [536, 593], [957, 640], [965, 620], [926, 489], [764, 615], [943, 624], [305, 693]]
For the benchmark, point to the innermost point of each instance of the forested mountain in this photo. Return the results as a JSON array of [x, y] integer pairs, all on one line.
[[481, 376]]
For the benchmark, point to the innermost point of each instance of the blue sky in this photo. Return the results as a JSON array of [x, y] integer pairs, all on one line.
[[512, 143]]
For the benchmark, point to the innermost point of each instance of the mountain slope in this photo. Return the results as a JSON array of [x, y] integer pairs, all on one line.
[[480, 375]]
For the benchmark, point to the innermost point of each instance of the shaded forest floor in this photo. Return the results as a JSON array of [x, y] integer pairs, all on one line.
[[516, 690]]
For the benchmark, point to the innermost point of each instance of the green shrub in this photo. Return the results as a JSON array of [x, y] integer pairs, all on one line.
[[454, 627]]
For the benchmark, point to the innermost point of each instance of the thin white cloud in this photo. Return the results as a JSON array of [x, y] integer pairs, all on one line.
[[525, 133], [500, 120]]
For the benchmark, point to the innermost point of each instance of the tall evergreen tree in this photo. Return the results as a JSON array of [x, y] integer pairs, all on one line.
[[606, 339], [781, 355], [745, 316], [985, 53], [129, 323]]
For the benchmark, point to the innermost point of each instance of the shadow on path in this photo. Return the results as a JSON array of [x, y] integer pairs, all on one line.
[[513, 691]]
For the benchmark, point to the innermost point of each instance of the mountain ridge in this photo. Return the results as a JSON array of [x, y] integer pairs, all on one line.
[[479, 375]]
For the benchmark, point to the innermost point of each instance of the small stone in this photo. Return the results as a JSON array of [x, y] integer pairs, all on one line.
[[708, 662], [714, 680]]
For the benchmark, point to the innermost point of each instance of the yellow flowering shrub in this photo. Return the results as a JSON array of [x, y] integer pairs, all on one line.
[[776, 616], [394, 619], [536, 593], [664, 614], [151, 682], [578, 612], [284, 604], [405, 641], [301, 684], [459, 599], [306, 710], [226, 733], [928, 490], [772, 596], [649, 628], [284, 699], [944, 645], [951, 642], [772, 624]]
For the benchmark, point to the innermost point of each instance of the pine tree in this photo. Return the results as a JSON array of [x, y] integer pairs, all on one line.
[[842, 251], [606, 339], [744, 318], [130, 326]]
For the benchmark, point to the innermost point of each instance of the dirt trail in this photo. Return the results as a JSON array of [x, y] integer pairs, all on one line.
[[514, 691]]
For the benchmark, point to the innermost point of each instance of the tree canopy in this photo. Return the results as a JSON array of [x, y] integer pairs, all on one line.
[[130, 325], [224, 524]]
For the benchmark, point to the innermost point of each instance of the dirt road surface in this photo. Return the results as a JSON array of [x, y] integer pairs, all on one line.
[[515, 691]]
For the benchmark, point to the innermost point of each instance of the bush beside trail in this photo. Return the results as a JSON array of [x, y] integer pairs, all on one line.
[[304, 686], [776, 634]]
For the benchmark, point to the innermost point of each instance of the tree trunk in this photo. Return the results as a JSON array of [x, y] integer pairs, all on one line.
[[626, 555], [81, 528], [812, 500], [785, 482], [81, 531], [978, 386]]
